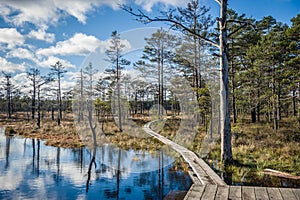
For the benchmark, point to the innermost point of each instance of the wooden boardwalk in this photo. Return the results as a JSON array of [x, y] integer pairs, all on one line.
[[209, 186], [216, 192], [202, 170]]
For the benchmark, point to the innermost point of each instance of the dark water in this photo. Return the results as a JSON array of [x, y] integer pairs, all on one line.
[[31, 170]]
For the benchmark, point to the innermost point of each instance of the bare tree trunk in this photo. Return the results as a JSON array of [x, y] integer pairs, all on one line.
[[274, 100], [233, 88], [258, 106], [39, 109], [299, 104], [159, 82], [58, 112], [119, 95], [80, 112], [196, 78], [52, 113], [8, 88], [162, 80], [33, 100], [279, 104], [8, 104], [59, 101], [226, 149], [294, 103]]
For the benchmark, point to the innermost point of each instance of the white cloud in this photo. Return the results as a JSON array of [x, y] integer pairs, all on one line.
[[72, 76], [21, 53], [67, 85], [52, 60], [11, 37], [10, 67], [20, 80], [80, 44], [49, 11], [42, 35], [104, 45], [148, 4]]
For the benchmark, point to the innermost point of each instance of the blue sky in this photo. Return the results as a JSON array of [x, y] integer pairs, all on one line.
[[38, 33]]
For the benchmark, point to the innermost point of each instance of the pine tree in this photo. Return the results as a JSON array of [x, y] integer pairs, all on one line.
[[8, 87], [114, 54], [158, 51], [57, 71]]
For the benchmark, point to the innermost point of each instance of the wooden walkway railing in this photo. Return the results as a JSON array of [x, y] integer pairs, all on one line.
[[209, 186]]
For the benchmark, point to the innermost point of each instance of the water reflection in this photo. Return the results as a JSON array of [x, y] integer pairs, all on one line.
[[29, 169]]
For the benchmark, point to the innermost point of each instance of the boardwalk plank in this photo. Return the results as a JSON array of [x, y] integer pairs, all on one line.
[[195, 192], [235, 192], [222, 193], [297, 193], [209, 192], [274, 194], [248, 193], [287, 194], [261, 193], [241, 192]]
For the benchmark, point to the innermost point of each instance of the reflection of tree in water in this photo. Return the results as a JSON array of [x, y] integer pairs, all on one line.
[[153, 180], [7, 150], [57, 164], [78, 157], [93, 129], [179, 180], [158, 183], [33, 154], [38, 157], [90, 169], [116, 181]]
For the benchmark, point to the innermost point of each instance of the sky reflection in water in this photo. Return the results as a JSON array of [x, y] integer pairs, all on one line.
[[29, 169]]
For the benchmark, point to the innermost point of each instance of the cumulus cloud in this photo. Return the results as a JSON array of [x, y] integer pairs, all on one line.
[[20, 80], [41, 34], [47, 62], [10, 67], [148, 4], [49, 11], [79, 44], [11, 37], [21, 53]]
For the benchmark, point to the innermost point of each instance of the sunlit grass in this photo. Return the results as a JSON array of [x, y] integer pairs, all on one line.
[[255, 147]]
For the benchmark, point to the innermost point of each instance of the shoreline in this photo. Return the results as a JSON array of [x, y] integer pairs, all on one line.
[[64, 136]]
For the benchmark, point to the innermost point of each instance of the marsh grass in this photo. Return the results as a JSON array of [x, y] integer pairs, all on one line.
[[255, 146], [59, 136]]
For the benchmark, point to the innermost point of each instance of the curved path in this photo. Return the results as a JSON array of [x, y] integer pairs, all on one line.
[[203, 172], [209, 185]]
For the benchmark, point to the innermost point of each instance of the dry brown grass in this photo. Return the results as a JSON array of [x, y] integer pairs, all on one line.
[[255, 146], [64, 135]]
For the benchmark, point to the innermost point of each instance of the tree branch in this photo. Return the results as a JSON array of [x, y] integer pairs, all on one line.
[[236, 30], [218, 1], [141, 17], [244, 24]]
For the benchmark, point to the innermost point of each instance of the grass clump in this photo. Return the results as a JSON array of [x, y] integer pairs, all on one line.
[[255, 147]]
